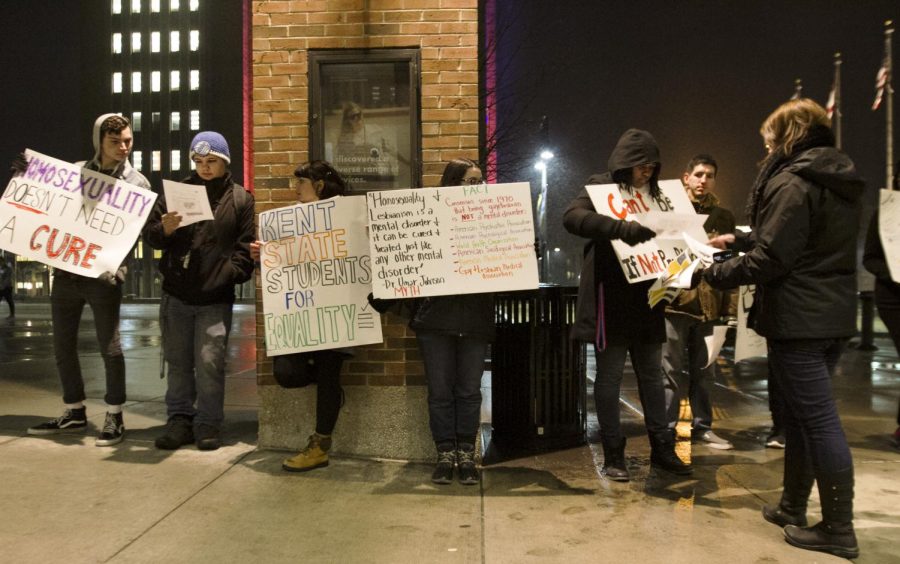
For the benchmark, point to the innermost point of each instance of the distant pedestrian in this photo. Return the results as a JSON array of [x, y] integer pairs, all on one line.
[[801, 254], [113, 140], [7, 286], [201, 264]]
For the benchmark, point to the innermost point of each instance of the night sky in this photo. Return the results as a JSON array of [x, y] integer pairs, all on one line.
[[700, 75]]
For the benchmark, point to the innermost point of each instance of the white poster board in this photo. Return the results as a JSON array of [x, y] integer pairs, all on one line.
[[452, 240], [889, 229], [747, 342], [670, 214], [316, 274], [71, 218]]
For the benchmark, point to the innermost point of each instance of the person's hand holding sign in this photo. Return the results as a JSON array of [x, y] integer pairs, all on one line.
[[170, 222]]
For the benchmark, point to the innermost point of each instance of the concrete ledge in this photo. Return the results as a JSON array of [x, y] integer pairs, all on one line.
[[375, 422]]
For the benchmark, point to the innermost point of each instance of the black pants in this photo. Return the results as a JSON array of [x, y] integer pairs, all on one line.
[[887, 298], [7, 294], [322, 368]]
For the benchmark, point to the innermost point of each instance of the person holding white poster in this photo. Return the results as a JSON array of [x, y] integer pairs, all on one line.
[[113, 140], [201, 264], [801, 254], [614, 315], [317, 180]]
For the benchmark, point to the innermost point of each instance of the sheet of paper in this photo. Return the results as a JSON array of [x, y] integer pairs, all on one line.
[[189, 200], [672, 225], [889, 230], [714, 343]]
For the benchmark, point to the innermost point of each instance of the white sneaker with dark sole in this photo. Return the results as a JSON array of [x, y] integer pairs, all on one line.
[[712, 440]]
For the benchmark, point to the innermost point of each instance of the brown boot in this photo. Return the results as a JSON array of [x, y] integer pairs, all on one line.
[[315, 455]]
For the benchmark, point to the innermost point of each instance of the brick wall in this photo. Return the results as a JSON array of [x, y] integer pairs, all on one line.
[[446, 32]]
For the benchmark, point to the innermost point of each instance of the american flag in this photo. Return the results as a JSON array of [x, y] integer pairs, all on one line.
[[829, 105], [881, 80]]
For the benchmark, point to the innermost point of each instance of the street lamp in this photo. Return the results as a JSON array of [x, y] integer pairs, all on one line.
[[542, 165]]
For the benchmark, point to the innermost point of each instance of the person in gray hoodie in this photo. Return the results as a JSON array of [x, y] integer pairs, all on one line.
[[113, 140], [615, 316]]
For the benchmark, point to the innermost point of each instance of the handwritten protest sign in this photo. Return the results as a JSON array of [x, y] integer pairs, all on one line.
[[71, 218], [648, 260], [316, 274], [452, 240], [889, 230]]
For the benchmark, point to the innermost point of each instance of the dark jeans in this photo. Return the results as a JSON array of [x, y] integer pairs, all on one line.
[[322, 368], [802, 369], [776, 403], [453, 368], [70, 293], [646, 361], [887, 298], [7, 294], [685, 354], [195, 339]]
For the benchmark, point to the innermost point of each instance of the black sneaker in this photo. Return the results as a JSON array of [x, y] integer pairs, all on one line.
[[113, 430], [179, 432], [443, 471], [71, 420], [465, 460], [207, 437]]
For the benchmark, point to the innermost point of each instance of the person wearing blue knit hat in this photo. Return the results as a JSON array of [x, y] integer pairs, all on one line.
[[201, 264]]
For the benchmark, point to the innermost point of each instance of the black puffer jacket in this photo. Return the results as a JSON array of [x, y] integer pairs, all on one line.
[[471, 315], [202, 262], [802, 248], [610, 311]]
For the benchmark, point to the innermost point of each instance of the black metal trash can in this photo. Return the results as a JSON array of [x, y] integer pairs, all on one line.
[[538, 385]]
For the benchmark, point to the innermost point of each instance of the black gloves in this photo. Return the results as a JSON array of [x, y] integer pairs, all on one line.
[[18, 165], [633, 232], [696, 277], [380, 305]]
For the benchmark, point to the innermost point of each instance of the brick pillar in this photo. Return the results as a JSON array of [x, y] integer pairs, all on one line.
[[385, 414]]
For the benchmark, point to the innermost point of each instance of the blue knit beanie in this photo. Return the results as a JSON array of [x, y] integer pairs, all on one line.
[[210, 143]]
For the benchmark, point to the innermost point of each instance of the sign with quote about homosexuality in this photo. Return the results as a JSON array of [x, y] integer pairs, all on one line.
[[669, 214], [71, 218], [316, 277], [452, 240]]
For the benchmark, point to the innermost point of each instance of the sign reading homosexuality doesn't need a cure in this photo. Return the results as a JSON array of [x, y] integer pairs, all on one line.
[[316, 276], [452, 240], [71, 218]]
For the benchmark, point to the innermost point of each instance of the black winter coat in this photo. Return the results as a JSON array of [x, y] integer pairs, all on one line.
[[801, 253], [471, 315]]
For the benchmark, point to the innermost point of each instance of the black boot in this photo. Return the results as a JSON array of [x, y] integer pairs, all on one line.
[[834, 534], [798, 482], [614, 460], [662, 453]]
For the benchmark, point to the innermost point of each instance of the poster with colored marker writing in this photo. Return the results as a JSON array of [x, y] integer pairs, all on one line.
[[669, 214], [71, 218], [452, 240], [316, 276]]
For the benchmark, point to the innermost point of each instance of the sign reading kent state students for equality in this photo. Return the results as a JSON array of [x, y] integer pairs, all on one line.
[[316, 276], [71, 218], [452, 240], [669, 215]]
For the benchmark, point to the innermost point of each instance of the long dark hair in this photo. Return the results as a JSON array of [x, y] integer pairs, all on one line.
[[322, 170], [625, 177], [455, 171]]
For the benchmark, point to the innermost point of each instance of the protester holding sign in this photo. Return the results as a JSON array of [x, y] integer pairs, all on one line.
[[801, 254], [201, 264], [614, 315], [113, 139], [318, 180]]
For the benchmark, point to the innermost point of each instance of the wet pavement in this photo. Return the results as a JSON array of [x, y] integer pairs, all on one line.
[[64, 500]]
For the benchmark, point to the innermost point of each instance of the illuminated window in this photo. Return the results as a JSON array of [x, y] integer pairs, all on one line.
[[195, 5], [154, 42], [175, 121], [136, 82], [136, 42], [135, 6], [136, 121], [174, 5], [174, 80], [155, 80], [117, 6], [174, 41], [117, 43], [157, 161], [154, 117], [195, 40], [138, 159], [176, 160], [117, 82], [154, 6], [195, 120], [195, 80]]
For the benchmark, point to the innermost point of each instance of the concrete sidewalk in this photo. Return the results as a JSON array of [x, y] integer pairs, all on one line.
[[64, 500]]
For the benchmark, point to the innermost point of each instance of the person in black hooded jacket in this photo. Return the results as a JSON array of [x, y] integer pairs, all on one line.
[[801, 254], [201, 264], [615, 316]]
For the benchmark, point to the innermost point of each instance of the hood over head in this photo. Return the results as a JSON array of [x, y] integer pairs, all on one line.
[[832, 169], [635, 147]]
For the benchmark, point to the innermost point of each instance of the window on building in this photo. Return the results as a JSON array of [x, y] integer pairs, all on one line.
[[175, 159], [116, 43], [154, 6], [136, 122], [155, 81], [195, 40], [135, 6], [136, 42], [116, 6], [195, 5], [174, 41], [175, 121], [195, 120], [174, 5], [157, 161], [136, 81], [174, 80], [117, 82], [195, 80], [154, 42], [137, 159]]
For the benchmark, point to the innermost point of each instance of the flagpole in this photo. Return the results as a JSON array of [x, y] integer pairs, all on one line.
[[836, 122], [889, 111]]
